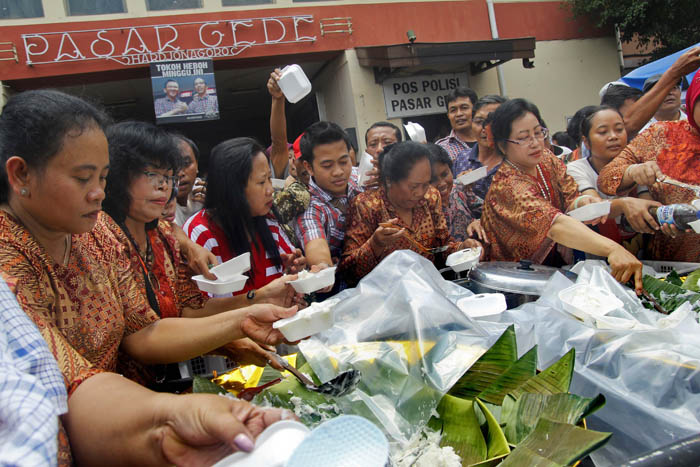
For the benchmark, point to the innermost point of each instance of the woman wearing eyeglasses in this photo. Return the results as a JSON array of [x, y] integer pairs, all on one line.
[[524, 209]]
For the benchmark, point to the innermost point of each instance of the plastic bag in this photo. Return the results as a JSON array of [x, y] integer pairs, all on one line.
[[401, 329]]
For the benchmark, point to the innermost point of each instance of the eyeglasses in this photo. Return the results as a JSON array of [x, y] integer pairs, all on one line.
[[538, 135], [157, 179]]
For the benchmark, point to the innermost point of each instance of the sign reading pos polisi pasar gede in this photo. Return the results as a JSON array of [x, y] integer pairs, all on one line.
[[419, 95]]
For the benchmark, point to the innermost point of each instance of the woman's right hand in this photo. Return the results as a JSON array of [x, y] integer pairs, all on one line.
[[257, 323], [624, 266], [385, 236], [645, 174]]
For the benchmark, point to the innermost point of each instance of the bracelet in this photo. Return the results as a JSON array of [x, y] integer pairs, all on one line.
[[579, 199], [624, 174]]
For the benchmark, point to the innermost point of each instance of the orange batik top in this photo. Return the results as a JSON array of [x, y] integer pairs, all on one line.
[[520, 209], [675, 146]]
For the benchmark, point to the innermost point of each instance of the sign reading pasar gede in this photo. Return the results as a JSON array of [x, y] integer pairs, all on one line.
[[419, 95], [140, 45]]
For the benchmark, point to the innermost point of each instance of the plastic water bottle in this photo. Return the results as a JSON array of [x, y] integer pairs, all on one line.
[[294, 83], [678, 214]]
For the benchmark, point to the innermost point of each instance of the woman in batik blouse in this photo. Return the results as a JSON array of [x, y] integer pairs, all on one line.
[[524, 209], [404, 205]]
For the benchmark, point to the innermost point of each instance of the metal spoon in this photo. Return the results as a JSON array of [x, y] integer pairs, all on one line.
[[670, 181], [336, 387]]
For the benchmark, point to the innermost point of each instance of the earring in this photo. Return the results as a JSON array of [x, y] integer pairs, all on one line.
[[24, 192]]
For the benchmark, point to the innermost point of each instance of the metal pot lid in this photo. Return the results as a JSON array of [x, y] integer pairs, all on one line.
[[522, 277]]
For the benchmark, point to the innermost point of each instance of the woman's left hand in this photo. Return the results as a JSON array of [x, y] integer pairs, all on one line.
[[280, 293], [471, 243], [199, 259], [247, 352], [476, 228], [293, 263], [257, 323]]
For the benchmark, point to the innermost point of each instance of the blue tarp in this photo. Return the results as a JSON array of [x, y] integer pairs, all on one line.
[[637, 77]]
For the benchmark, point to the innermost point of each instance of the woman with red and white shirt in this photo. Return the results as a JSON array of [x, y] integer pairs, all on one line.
[[237, 215]]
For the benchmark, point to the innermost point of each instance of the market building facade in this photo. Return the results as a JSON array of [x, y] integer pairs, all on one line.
[[384, 60]]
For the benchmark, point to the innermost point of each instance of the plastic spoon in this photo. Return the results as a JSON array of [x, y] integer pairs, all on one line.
[[336, 387]]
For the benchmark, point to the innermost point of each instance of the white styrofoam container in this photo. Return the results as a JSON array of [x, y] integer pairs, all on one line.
[[294, 83], [696, 203], [415, 132], [483, 304], [273, 447], [473, 176], [458, 264], [600, 301], [316, 281], [591, 211], [277, 184], [224, 286], [233, 267], [316, 318]]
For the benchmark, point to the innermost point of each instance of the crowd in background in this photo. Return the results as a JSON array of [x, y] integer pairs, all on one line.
[[103, 224]]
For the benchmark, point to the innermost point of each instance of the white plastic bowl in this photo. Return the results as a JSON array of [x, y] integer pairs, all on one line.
[[273, 447], [591, 211], [471, 177], [586, 301], [278, 184], [315, 281], [316, 318], [464, 259], [221, 286], [484, 304]]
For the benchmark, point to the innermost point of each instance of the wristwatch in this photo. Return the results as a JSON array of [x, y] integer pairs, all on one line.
[[251, 294]]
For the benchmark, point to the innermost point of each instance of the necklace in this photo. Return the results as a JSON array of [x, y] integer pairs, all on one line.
[[66, 254], [544, 189]]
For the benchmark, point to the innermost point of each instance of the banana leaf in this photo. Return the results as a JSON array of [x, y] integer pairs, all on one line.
[[488, 368], [204, 386], [460, 429], [674, 278], [496, 443], [564, 408], [692, 282], [553, 380], [558, 443], [517, 374], [668, 295]]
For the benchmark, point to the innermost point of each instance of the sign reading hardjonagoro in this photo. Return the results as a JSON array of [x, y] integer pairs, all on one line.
[[139, 45]]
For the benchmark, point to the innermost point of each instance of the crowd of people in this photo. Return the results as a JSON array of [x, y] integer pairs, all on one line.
[[103, 225]]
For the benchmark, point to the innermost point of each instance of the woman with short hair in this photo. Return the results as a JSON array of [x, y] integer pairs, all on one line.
[[524, 211], [405, 200]]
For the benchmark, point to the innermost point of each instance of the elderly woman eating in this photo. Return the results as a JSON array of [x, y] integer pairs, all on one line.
[[524, 209], [405, 212]]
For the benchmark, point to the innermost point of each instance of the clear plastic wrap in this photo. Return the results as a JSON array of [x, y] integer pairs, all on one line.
[[401, 329], [649, 374]]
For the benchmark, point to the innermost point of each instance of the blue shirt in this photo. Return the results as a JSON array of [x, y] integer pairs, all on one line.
[[32, 390]]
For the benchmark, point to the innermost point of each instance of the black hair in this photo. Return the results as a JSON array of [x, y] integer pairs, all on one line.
[[230, 165], [34, 125], [321, 133], [397, 130], [616, 95], [573, 128], [189, 142], [133, 146], [397, 160], [587, 122], [562, 138], [171, 81], [506, 114], [438, 155], [458, 92], [488, 99]]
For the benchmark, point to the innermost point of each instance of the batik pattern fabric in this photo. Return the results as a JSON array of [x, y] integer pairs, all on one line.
[[371, 208], [517, 216], [32, 392], [457, 213], [665, 143], [83, 309], [288, 205]]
